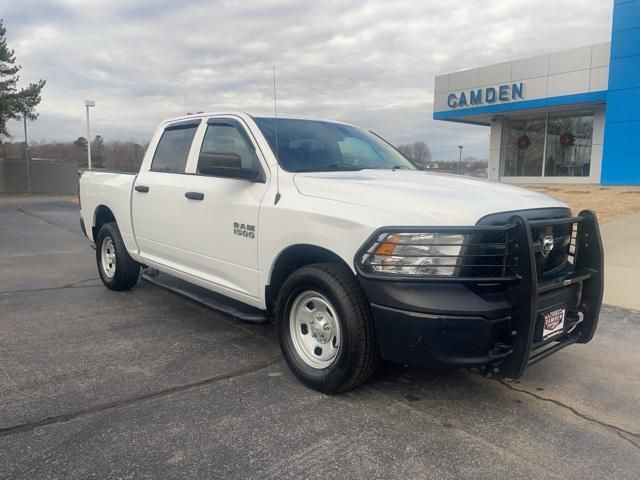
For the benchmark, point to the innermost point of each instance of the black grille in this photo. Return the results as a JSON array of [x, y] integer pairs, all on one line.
[[489, 254], [492, 253], [560, 259]]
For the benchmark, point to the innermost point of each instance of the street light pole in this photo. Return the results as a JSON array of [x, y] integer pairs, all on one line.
[[26, 153], [460, 161], [88, 104]]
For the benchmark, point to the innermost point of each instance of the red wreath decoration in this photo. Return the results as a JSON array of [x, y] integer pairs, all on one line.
[[567, 139], [523, 141]]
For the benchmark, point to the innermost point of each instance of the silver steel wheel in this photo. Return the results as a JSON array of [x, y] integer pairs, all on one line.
[[108, 257], [315, 329]]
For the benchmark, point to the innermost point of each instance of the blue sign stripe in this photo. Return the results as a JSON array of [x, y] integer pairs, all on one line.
[[599, 96]]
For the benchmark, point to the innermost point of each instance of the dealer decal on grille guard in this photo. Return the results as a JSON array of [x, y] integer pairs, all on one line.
[[553, 323]]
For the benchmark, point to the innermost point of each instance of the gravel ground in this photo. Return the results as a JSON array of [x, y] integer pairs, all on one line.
[[609, 203]]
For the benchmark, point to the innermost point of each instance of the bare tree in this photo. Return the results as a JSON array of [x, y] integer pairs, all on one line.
[[405, 150], [111, 154], [98, 152], [421, 153], [418, 152]]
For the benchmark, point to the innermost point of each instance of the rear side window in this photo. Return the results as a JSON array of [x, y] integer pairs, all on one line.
[[173, 149]]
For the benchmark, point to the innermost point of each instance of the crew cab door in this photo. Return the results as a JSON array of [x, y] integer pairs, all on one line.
[[203, 223], [158, 202], [220, 222]]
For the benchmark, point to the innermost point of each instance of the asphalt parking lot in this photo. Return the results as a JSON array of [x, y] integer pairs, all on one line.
[[146, 384]]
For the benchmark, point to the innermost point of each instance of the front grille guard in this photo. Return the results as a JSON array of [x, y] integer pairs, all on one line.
[[513, 258], [587, 268]]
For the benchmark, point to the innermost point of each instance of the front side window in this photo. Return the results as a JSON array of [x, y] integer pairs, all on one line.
[[173, 149], [224, 145], [317, 146]]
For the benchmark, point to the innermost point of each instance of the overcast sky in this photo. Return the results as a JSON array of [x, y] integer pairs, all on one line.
[[370, 63]]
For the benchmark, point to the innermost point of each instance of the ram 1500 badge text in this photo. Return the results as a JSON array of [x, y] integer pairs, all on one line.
[[354, 252]]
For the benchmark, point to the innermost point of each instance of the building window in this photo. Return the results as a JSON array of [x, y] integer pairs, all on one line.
[[569, 146], [524, 148], [550, 145]]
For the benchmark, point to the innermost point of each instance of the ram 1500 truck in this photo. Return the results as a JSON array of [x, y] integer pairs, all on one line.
[[353, 251]]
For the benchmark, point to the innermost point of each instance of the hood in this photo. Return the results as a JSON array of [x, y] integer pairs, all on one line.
[[421, 198]]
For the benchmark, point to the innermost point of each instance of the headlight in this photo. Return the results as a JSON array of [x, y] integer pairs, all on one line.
[[413, 254]]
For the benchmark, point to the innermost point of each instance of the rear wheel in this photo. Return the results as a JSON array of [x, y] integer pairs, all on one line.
[[325, 328], [117, 269]]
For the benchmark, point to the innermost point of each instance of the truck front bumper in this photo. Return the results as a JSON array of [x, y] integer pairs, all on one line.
[[495, 325]]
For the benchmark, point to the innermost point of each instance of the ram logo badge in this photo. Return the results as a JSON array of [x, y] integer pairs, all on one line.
[[547, 245], [244, 230]]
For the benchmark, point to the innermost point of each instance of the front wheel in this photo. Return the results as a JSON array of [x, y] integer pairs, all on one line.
[[325, 328], [117, 269]]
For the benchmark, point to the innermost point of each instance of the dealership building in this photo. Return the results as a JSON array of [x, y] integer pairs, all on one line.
[[565, 117]]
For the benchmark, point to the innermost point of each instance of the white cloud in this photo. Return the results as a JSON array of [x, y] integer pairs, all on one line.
[[372, 63]]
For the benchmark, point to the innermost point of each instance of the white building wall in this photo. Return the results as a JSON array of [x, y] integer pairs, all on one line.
[[568, 72], [598, 141], [495, 149], [578, 70]]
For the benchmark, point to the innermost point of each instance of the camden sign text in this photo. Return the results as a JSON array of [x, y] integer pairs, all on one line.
[[488, 95]]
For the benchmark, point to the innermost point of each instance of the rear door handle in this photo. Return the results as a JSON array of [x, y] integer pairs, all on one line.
[[194, 195], [142, 188]]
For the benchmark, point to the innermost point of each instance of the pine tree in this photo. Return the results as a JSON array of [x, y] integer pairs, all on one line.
[[14, 103]]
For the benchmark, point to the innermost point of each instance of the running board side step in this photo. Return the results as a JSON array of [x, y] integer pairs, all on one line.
[[207, 298]]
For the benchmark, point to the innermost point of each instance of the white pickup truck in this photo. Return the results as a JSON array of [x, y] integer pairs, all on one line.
[[354, 252]]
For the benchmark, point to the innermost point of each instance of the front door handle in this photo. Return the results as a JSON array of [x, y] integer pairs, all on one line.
[[194, 195], [142, 188]]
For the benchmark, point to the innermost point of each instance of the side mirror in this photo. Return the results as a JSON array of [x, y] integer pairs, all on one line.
[[226, 165]]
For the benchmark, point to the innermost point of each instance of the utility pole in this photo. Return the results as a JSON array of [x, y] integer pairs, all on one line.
[[460, 161], [88, 104], [26, 153]]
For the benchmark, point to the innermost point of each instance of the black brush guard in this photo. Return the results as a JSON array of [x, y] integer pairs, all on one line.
[[587, 270], [505, 255]]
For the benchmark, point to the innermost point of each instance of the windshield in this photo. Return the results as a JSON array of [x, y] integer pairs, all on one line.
[[316, 146]]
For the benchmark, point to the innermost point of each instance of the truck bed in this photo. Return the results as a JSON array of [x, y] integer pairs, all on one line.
[[113, 190]]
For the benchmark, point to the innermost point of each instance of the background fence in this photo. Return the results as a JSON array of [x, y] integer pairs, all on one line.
[[38, 175]]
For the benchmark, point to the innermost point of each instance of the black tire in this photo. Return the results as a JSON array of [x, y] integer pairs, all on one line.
[[357, 356], [127, 270]]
